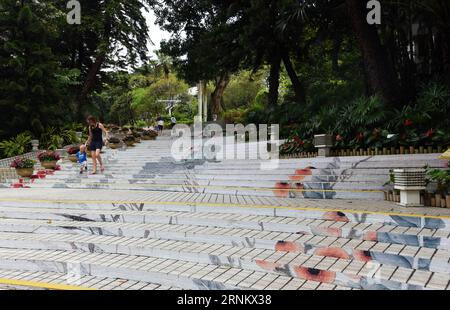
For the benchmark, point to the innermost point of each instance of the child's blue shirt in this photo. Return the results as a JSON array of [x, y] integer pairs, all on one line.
[[82, 157]]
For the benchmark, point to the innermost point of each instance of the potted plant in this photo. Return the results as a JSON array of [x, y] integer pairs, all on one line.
[[442, 179], [24, 167], [129, 140], [114, 143], [72, 151], [137, 136], [149, 135], [49, 159]]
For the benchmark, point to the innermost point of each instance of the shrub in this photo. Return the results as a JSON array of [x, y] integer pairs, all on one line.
[[16, 146]]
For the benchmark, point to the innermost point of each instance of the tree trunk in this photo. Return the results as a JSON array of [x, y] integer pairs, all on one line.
[[296, 84], [337, 42], [88, 84], [446, 55], [217, 95], [381, 74], [274, 78], [94, 70]]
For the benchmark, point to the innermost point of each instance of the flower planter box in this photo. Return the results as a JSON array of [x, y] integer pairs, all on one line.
[[49, 164], [114, 146], [25, 172], [73, 158]]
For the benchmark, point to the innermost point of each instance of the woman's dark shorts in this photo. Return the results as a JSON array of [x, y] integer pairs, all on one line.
[[96, 145]]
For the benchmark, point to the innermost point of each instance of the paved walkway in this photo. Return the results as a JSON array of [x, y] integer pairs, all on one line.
[[69, 231]]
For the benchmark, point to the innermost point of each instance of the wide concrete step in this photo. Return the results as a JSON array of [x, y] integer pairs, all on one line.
[[236, 184], [310, 193], [246, 270], [168, 272], [11, 279], [228, 205], [258, 233], [409, 250]]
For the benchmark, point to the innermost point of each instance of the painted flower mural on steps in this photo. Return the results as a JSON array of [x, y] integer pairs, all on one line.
[[312, 274]]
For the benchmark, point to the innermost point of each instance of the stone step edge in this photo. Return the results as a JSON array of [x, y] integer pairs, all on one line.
[[283, 209], [115, 222], [96, 270], [19, 279], [152, 245], [165, 277]]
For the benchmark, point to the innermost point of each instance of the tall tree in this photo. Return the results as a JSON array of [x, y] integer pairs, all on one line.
[[381, 74], [122, 40], [29, 96]]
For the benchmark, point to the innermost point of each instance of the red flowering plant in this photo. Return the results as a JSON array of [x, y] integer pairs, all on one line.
[[339, 142], [359, 140], [48, 156], [295, 144], [23, 163], [73, 150], [433, 137], [408, 123]]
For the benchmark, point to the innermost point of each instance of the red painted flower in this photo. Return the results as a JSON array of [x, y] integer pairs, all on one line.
[[430, 133], [312, 274], [408, 122], [332, 252], [360, 136], [362, 256], [288, 246], [337, 216], [339, 138], [282, 189]]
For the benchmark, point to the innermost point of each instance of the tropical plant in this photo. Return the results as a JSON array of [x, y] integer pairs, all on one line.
[[442, 179], [16, 146]]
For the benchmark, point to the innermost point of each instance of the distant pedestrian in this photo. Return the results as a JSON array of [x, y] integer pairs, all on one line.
[[160, 122], [173, 121]]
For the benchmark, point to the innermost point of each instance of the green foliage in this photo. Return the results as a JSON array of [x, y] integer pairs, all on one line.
[[19, 145], [243, 88], [53, 138], [140, 124], [442, 179]]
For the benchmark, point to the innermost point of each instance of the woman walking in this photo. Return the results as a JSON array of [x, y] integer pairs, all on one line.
[[95, 142]]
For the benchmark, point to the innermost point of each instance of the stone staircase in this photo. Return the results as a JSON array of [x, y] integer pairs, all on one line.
[[152, 168], [151, 223]]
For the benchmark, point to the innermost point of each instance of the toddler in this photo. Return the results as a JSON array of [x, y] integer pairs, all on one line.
[[82, 158]]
